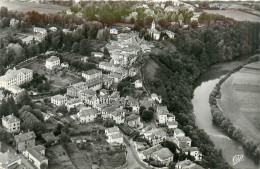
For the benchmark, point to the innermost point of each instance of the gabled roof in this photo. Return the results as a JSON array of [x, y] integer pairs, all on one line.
[[163, 153], [35, 153], [151, 150], [48, 137], [116, 136], [59, 97], [11, 119], [24, 136], [132, 117], [92, 71], [88, 112], [191, 149], [52, 59], [113, 129], [7, 158]]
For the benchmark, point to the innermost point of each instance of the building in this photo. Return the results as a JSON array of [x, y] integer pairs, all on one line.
[[172, 124], [153, 32], [157, 98], [9, 160], [86, 116], [65, 65], [115, 113], [146, 154], [178, 133], [52, 62], [138, 84], [92, 74], [15, 77], [164, 117], [113, 31], [45, 116], [155, 136], [40, 30], [132, 72], [187, 164], [183, 142], [36, 155], [114, 135], [59, 100], [94, 84], [97, 54], [133, 120], [53, 29], [75, 89], [194, 151], [164, 156], [24, 141], [107, 66], [11, 123], [73, 103]]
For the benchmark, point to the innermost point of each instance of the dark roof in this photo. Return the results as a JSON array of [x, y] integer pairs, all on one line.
[[24, 136]]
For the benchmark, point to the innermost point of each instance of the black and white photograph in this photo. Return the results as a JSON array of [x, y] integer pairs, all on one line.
[[129, 84]]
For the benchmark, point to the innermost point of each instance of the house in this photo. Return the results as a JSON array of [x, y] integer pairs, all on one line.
[[140, 146], [194, 151], [104, 99], [86, 116], [11, 123], [157, 98], [170, 34], [113, 31], [155, 136], [146, 154], [107, 82], [133, 120], [50, 137], [10, 160], [65, 65], [116, 77], [178, 133], [146, 102], [36, 155], [132, 102], [183, 142], [75, 89], [53, 29], [15, 89], [172, 124], [15, 77], [112, 130], [52, 62], [91, 100], [103, 92], [94, 84], [115, 113], [164, 156], [187, 164], [92, 74], [45, 116], [40, 30], [59, 100], [138, 84], [97, 54], [116, 138], [153, 32], [14, 22], [107, 66], [24, 141]]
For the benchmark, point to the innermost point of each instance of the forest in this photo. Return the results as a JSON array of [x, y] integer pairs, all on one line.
[[183, 59]]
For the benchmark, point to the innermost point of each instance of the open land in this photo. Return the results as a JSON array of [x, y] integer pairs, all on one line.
[[28, 6], [235, 14], [240, 99]]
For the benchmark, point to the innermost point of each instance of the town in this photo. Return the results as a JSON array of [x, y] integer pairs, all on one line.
[[69, 101]]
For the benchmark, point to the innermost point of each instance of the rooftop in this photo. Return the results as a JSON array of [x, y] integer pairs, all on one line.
[[11, 119], [8, 158], [48, 137], [113, 129], [190, 149], [24, 136], [88, 112], [92, 71], [59, 97], [116, 136], [52, 59], [163, 153], [151, 150], [35, 152]]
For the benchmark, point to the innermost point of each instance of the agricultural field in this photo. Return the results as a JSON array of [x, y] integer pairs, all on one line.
[[28, 6], [235, 14], [240, 95]]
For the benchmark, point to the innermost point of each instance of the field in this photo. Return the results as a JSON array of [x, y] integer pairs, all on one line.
[[59, 79], [235, 14], [240, 100], [29, 6]]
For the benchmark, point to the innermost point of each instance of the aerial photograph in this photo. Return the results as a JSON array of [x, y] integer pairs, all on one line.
[[129, 84]]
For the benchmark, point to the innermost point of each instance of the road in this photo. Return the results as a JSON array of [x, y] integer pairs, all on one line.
[[133, 161]]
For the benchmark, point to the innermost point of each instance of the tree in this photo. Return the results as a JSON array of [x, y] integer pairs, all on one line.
[[6, 22], [24, 99], [4, 12], [62, 109], [109, 122], [147, 115], [44, 166], [84, 47]]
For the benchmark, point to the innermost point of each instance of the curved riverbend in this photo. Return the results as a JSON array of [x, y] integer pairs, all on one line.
[[203, 87]]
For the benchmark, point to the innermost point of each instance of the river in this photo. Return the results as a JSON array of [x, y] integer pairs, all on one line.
[[203, 87]]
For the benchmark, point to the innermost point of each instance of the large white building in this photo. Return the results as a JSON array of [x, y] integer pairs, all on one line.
[[59, 100], [52, 62], [11, 123], [92, 74], [86, 116], [36, 155], [15, 77], [114, 135]]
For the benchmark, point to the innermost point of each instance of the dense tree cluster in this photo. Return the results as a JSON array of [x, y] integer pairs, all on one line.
[[181, 62]]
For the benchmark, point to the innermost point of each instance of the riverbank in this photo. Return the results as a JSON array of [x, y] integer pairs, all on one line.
[[229, 117]]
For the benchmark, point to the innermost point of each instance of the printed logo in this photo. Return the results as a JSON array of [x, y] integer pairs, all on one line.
[[237, 159]]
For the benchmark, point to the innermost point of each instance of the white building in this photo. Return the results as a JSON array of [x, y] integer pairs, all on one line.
[[52, 62], [53, 29], [97, 54], [92, 74], [15, 77], [59, 100], [138, 84], [155, 136], [194, 151], [86, 116], [11, 123], [113, 31], [154, 33], [178, 133], [36, 155], [8, 160], [114, 135], [164, 156], [157, 98], [65, 65], [40, 30]]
